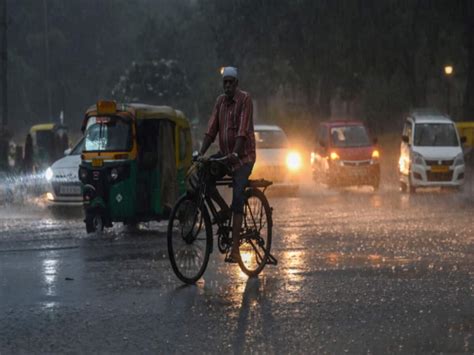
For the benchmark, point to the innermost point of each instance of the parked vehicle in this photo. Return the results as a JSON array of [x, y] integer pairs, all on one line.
[[44, 144], [134, 162], [466, 129], [345, 155], [275, 160], [7, 194], [430, 152], [64, 186]]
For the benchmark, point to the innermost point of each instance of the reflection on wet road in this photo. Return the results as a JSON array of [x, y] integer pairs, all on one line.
[[358, 272]]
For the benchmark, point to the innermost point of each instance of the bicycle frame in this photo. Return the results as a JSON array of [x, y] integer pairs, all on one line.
[[205, 200]]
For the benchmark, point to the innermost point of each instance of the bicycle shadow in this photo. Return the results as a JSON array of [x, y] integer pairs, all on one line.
[[255, 319]]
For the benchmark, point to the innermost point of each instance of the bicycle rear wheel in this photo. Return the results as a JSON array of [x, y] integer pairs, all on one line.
[[256, 237], [189, 239]]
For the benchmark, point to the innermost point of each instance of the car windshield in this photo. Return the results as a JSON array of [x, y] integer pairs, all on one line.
[[107, 134], [79, 147], [435, 135], [349, 136], [271, 139]]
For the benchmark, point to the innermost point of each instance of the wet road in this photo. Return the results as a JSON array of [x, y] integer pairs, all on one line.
[[359, 272]]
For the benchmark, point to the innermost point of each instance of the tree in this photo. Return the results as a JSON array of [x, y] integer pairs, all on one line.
[[153, 81]]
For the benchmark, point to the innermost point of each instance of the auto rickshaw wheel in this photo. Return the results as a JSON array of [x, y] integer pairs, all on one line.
[[94, 222]]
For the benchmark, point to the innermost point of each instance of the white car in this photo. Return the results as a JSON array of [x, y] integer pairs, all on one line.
[[6, 189], [275, 160], [64, 187], [431, 152]]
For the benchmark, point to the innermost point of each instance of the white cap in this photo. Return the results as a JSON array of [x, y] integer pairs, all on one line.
[[229, 71]]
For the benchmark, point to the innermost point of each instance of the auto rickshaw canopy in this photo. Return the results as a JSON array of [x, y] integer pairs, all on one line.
[[135, 111], [42, 127]]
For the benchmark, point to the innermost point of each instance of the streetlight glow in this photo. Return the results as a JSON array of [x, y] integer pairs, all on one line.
[[448, 69]]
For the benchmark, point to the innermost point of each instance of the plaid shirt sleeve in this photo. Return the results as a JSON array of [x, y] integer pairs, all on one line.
[[213, 125], [245, 117]]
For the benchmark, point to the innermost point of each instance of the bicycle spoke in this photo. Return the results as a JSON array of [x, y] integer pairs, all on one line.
[[188, 241], [257, 254]]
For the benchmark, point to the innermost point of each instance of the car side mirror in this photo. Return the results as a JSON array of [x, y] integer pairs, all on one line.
[[463, 139], [322, 144], [405, 139], [68, 151], [376, 140]]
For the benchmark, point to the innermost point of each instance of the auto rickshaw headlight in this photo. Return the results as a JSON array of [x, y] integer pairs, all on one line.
[[49, 174], [114, 174]]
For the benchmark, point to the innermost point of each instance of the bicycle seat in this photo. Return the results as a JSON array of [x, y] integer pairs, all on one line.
[[260, 183]]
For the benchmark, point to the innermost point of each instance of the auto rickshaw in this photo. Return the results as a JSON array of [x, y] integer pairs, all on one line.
[[466, 129], [134, 162], [44, 144]]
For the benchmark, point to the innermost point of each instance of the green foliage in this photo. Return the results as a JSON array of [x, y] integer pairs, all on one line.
[[153, 81]]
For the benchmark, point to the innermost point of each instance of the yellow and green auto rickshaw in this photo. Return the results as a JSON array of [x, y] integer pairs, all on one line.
[[44, 144], [466, 129], [134, 162]]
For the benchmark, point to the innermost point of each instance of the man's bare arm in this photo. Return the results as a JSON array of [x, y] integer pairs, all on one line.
[[206, 143]]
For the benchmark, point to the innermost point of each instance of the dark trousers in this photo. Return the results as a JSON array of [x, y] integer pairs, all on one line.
[[240, 179]]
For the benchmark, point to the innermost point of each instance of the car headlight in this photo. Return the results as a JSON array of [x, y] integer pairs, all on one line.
[[334, 156], [49, 174], [459, 160], [293, 161], [375, 154], [417, 158]]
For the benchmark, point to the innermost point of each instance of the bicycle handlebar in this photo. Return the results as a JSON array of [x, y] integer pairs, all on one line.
[[221, 159]]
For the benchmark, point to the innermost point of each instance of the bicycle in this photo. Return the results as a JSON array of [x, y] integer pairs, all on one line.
[[190, 230]]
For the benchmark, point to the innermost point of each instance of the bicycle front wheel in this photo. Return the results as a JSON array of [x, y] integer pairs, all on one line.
[[189, 239], [256, 237]]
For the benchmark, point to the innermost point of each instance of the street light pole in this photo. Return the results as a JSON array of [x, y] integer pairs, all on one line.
[[46, 46], [448, 71], [4, 136]]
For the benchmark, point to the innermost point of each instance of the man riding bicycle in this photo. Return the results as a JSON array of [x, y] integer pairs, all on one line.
[[232, 118]]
